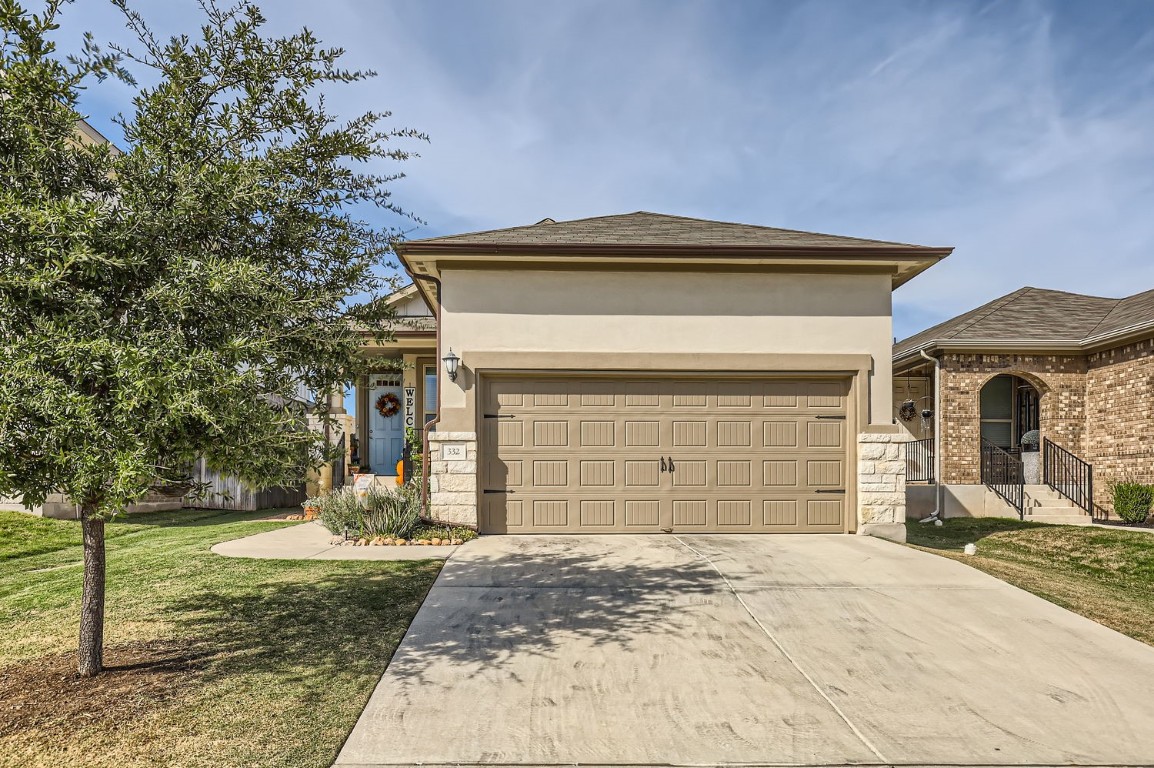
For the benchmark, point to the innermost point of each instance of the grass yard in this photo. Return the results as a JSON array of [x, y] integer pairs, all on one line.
[[1104, 574], [212, 661]]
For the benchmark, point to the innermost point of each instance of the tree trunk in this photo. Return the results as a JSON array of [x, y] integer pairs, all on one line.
[[92, 601]]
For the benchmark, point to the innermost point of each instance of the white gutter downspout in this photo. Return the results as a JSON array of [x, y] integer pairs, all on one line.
[[936, 517]]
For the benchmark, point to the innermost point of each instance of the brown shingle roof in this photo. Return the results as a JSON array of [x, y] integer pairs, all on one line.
[[644, 228], [1032, 315], [1128, 312], [403, 324]]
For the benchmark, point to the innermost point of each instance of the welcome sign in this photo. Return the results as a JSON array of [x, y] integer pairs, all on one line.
[[410, 406]]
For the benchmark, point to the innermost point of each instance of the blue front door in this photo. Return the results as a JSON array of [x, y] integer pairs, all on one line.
[[386, 433]]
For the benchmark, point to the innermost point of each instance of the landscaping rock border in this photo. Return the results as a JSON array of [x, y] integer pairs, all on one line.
[[387, 541]]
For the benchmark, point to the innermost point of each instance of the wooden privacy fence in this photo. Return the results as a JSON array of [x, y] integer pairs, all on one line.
[[225, 492]]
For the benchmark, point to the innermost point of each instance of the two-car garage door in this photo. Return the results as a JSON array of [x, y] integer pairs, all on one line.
[[587, 455]]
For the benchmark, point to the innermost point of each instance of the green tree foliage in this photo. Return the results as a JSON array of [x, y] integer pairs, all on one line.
[[168, 303]]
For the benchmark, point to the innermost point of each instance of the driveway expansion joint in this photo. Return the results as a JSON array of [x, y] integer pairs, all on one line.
[[789, 657]]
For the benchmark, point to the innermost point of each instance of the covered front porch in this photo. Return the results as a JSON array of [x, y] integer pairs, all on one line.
[[1004, 422], [393, 404], [398, 397]]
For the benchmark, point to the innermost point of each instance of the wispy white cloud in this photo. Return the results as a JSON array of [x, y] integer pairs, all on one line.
[[1018, 132]]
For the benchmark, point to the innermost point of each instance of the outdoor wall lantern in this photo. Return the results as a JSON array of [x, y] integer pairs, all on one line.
[[450, 360]]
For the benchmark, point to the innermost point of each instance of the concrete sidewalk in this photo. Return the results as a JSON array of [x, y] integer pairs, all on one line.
[[748, 650], [312, 541]]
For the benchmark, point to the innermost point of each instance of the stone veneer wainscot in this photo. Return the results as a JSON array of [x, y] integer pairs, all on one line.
[[881, 484], [453, 484]]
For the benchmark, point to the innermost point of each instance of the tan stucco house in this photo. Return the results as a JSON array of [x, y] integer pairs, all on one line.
[[1075, 372], [647, 373]]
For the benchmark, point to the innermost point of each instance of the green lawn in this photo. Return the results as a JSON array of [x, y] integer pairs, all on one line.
[[1105, 574], [213, 661]]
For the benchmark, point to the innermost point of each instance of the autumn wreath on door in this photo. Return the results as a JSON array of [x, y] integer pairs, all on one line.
[[388, 405]]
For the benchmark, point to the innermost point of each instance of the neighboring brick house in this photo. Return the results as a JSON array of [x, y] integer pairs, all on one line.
[[1079, 369]]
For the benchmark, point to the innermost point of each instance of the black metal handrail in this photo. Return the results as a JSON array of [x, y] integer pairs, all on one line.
[[1068, 475], [920, 460], [1002, 473]]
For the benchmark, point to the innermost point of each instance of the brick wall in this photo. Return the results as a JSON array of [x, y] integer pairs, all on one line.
[[1060, 379], [1120, 416]]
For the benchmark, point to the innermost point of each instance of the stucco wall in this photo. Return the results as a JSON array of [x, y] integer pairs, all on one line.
[[1060, 379], [1119, 438], [669, 312]]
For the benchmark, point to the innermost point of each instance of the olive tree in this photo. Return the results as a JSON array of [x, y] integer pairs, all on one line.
[[169, 302]]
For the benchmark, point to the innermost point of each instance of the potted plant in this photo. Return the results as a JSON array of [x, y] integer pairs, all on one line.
[[312, 508], [1030, 441], [1031, 458]]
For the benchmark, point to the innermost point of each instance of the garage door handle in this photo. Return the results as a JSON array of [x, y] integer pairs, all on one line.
[[663, 468], [829, 490], [671, 467]]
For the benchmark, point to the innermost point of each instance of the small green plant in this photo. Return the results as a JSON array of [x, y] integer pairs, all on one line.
[[415, 438], [339, 511], [391, 511], [427, 531], [1132, 501]]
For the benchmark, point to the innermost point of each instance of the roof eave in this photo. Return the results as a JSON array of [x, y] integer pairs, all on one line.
[[1131, 333], [424, 259], [988, 346]]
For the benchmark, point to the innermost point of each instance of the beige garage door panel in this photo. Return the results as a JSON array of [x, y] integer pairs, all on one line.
[[646, 455]]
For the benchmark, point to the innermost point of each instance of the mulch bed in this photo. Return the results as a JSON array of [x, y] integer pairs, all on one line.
[[46, 692]]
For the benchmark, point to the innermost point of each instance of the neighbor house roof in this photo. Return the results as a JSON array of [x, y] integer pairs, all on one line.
[[654, 238], [1035, 319]]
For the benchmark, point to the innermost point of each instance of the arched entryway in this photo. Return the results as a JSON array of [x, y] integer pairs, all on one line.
[[1010, 410]]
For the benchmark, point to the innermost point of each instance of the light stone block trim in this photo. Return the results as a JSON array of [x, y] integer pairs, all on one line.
[[453, 484], [881, 484]]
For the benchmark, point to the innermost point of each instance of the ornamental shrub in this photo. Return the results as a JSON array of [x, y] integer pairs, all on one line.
[[391, 511], [339, 510], [1132, 501]]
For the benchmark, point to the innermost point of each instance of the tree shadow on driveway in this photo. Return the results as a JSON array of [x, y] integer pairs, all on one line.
[[488, 608]]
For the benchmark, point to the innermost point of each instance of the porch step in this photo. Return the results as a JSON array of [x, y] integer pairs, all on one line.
[[1045, 505], [1045, 496], [1050, 510]]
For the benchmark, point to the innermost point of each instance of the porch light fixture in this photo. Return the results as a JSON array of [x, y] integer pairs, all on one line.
[[450, 360]]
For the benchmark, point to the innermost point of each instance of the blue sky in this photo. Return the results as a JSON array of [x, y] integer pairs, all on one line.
[[1022, 133]]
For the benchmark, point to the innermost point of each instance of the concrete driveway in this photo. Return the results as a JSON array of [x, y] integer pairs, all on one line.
[[704, 650]]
